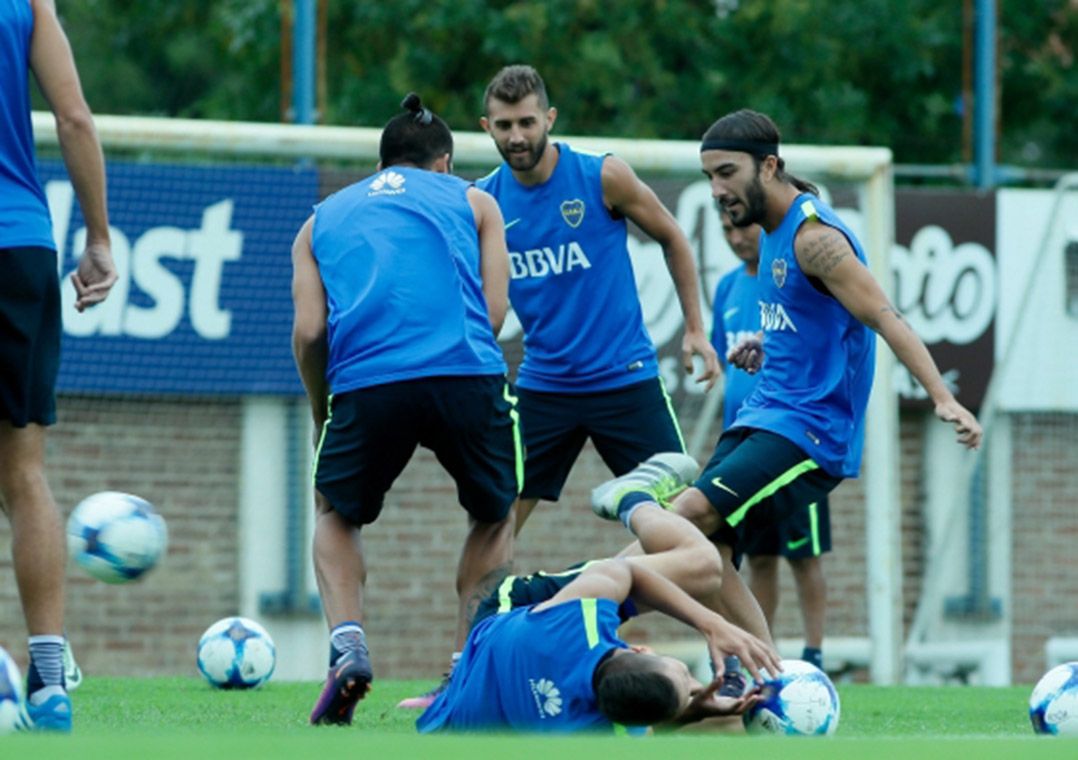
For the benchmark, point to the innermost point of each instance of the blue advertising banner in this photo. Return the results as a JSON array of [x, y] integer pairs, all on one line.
[[203, 303]]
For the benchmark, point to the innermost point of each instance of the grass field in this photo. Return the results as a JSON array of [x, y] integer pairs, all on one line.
[[185, 718]]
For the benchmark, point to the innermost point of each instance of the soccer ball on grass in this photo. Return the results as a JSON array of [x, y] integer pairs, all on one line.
[[800, 701], [1053, 705], [236, 653], [116, 537]]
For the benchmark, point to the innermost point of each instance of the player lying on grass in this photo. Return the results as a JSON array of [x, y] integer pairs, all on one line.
[[557, 664]]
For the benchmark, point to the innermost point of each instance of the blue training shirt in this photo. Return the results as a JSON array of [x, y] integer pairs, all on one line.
[[818, 358], [530, 671], [398, 254], [736, 316], [572, 280], [24, 213]]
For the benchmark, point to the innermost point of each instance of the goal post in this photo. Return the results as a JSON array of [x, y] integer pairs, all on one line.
[[344, 150]]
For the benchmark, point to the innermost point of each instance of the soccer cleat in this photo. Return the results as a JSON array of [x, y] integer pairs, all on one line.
[[662, 476], [53, 714], [425, 700], [348, 681], [72, 671]]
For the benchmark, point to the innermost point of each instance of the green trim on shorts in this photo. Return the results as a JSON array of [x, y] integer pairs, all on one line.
[[673, 415], [518, 444], [814, 528], [321, 439], [590, 608], [505, 603], [778, 483]]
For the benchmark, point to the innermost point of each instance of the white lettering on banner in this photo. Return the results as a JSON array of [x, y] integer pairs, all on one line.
[[539, 262], [210, 247], [947, 292]]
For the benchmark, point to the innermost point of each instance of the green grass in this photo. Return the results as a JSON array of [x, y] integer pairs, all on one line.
[[185, 718]]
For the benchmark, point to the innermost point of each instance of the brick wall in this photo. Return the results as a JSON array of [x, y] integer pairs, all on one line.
[[184, 456]]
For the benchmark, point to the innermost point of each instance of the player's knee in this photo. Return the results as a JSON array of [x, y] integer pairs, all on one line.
[[694, 507]]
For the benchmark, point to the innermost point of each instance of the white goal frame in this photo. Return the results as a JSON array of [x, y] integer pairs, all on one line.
[[871, 168]]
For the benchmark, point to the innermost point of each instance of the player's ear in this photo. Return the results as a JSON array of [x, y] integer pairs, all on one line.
[[485, 124], [768, 167], [443, 164], [551, 117]]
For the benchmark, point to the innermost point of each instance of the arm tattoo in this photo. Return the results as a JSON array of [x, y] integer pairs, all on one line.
[[823, 252]]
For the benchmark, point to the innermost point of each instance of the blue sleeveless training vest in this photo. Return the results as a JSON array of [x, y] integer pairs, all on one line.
[[572, 280], [818, 358], [24, 213], [398, 254]]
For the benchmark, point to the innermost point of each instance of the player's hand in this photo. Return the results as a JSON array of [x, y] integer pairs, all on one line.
[[708, 704], [724, 638], [697, 343], [748, 354], [965, 424], [95, 275]]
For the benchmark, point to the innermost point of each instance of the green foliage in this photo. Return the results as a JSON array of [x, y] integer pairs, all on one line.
[[882, 72]]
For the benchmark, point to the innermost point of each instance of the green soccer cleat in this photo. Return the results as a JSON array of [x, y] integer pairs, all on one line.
[[662, 476]]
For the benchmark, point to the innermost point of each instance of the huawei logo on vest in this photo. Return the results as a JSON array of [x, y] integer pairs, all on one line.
[[546, 261], [387, 183], [547, 697], [774, 317]]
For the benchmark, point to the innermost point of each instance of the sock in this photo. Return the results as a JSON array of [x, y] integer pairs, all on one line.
[[344, 638], [813, 655], [628, 504], [46, 663]]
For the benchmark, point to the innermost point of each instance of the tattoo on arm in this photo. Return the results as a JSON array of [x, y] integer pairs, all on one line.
[[823, 252]]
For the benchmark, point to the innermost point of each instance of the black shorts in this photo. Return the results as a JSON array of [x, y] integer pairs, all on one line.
[[468, 422], [30, 326], [627, 425], [750, 467], [804, 530], [526, 590]]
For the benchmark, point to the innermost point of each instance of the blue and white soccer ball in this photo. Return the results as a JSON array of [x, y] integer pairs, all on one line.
[[116, 537], [1053, 705], [13, 715], [800, 701], [236, 653]]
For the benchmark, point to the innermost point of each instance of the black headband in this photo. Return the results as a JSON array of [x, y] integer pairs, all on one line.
[[754, 147]]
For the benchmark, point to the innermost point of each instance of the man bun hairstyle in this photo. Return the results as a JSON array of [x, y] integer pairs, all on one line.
[[754, 133], [417, 136], [514, 83], [632, 690]]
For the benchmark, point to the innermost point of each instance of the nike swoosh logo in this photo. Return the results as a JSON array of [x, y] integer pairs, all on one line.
[[791, 545], [510, 224], [730, 312], [717, 482]]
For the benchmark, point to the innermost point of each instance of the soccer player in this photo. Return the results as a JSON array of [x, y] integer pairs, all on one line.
[[550, 659], [802, 427], [30, 322], [589, 368], [400, 287], [804, 531]]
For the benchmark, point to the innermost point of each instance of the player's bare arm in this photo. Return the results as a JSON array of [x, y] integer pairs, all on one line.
[[617, 579], [309, 324], [824, 253], [493, 255], [627, 195], [54, 69]]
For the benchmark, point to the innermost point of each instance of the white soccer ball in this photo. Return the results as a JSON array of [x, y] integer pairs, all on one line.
[[236, 653], [1053, 705], [800, 701], [116, 537], [13, 715]]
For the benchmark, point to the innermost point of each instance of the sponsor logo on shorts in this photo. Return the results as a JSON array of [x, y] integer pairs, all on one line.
[[795, 545], [717, 482]]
